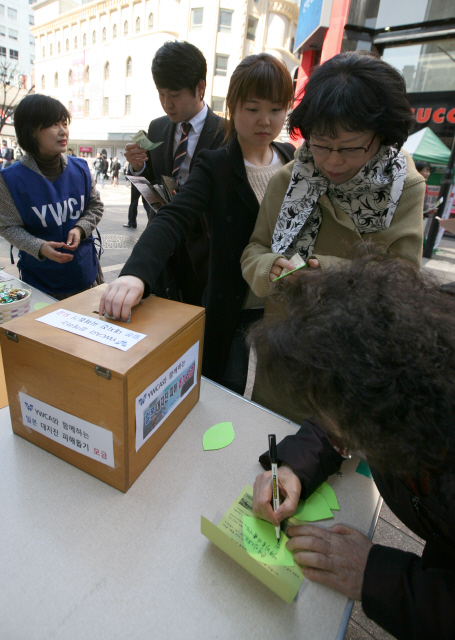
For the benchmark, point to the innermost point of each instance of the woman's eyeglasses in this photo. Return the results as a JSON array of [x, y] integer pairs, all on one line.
[[349, 152]]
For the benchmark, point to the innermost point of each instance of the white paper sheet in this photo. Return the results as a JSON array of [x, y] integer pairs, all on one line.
[[4, 277], [160, 398], [79, 435], [93, 329]]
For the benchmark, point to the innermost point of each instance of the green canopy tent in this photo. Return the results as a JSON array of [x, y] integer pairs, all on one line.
[[425, 145]]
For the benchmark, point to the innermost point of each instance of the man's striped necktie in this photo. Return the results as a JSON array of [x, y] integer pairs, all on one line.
[[180, 152]]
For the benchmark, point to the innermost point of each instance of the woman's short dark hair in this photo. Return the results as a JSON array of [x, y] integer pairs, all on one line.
[[260, 76], [421, 165], [370, 347], [355, 91], [178, 65], [37, 112]]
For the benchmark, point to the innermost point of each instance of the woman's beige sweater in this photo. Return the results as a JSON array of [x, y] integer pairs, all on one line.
[[338, 237]]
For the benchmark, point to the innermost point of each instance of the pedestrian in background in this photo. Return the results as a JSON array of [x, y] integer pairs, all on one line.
[[115, 168], [98, 167]]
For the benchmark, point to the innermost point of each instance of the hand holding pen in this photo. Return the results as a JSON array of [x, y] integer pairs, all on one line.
[[275, 493]]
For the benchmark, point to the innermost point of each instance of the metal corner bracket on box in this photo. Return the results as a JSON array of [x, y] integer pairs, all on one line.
[[104, 373]]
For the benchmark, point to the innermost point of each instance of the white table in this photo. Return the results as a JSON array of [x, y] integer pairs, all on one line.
[[81, 560]]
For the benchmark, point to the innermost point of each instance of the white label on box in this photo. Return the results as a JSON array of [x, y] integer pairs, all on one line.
[[160, 398], [93, 329], [79, 435]]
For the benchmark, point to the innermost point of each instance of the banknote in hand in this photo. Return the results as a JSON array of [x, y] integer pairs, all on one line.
[[141, 139]]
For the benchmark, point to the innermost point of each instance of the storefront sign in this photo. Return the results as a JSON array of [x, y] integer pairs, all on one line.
[[85, 149], [314, 20]]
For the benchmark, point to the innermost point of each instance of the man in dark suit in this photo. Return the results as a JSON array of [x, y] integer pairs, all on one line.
[[179, 71]]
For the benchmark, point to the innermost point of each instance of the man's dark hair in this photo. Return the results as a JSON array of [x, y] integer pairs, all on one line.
[[355, 91], [37, 112], [178, 65], [370, 347]]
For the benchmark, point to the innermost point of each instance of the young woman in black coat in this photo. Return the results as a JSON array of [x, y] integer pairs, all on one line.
[[223, 194]]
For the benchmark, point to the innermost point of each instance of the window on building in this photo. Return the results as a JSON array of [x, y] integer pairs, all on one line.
[[87, 108], [87, 74], [31, 19], [70, 106], [138, 25], [43, 83], [56, 81], [106, 71], [196, 19], [125, 28], [106, 106], [2, 9], [84, 40], [67, 45], [217, 104], [32, 58], [129, 67], [12, 13], [150, 23], [2, 30], [59, 48], [252, 27], [75, 42], [426, 67], [127, 105], [94, 37], [44, 52], [51, 50], [104, 34], [3, 51], [225, 22], [31, 40], [13, 54], [221, 64], [114, 31], [70, 78], [291, 45], [13, 34]]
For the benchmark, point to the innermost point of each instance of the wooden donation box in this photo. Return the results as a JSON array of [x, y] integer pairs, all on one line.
[[104, 410]]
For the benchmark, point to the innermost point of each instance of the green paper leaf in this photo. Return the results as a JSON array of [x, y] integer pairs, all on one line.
[[259, 538], [364, 469], [40, 305], [314, 508], [218, 436], [329, 495]]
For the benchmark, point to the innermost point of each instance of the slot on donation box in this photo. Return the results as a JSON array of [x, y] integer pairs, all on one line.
[[101, 394]]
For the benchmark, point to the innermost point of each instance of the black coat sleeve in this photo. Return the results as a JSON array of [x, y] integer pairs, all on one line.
[[171, 224], [309, 454], [408, 599]]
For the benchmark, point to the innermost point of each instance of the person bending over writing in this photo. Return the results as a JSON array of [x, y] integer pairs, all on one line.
[[368, 348]]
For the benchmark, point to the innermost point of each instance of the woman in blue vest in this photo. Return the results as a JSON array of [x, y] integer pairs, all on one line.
[[50, 205]]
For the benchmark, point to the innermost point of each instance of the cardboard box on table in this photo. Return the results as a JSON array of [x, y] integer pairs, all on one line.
[[63, 370]]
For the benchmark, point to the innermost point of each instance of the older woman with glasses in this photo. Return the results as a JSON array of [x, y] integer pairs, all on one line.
[[350, 182]]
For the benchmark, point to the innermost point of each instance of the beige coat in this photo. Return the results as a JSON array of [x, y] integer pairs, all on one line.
[[336, 243]]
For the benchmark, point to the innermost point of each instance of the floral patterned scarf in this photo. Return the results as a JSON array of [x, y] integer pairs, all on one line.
[[369, 199]]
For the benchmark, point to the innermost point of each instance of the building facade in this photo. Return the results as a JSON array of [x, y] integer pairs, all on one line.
[[415, 36], [17, 44], [96, 58]]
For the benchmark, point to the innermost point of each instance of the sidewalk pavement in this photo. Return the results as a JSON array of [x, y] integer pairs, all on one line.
[[118, 242]]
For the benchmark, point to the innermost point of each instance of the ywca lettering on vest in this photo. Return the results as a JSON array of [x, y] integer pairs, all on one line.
[[59, 211], [423, 114]]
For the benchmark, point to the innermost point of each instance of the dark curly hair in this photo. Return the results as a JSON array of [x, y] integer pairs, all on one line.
[[356, 91], [370, 347]]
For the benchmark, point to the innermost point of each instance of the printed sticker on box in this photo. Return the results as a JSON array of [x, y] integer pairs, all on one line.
[[160, 398], [79, 435]]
